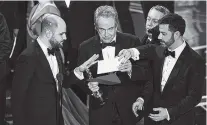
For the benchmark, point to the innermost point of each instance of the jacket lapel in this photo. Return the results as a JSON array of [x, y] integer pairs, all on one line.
[[96, 49], [160, 68], [180, 65], [118, 45], [43, 61]]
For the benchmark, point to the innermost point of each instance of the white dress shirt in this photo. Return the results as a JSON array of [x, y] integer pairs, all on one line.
[[67, 2], [169, 63], [51, 60]]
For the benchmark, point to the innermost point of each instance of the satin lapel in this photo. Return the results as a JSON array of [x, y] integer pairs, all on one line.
[[118, 45], [96, 49], [43, 61], [144, 39], [179, 66], [160, 73]]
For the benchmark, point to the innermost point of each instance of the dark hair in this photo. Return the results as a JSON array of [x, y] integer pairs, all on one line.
[[175, 21]]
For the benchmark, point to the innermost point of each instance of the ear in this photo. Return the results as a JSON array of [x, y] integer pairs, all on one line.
[[95, 26], [48, 33], [176, 34]]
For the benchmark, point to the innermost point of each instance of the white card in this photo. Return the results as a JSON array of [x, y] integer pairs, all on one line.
[[108, 65]]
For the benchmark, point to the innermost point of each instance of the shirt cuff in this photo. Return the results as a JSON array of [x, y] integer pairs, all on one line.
[[136, 54], [168, 116], [78, 74], [140, 98]]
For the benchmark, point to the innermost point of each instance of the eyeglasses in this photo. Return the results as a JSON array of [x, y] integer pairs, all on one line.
[[110, 30]]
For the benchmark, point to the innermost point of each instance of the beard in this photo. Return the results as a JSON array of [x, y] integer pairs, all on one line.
[[167, 43], [55, 44]]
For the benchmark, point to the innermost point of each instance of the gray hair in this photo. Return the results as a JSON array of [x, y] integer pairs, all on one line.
[[105, 11], [161, 9]]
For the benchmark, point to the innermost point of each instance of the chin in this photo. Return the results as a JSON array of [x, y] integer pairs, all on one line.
[[163, 45], [106, 41]]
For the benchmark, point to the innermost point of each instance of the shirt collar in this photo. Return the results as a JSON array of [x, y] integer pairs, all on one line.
[[179, 49], [43, 46]]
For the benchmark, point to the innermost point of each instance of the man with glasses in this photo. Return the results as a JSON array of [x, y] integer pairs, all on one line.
[[135, 82]]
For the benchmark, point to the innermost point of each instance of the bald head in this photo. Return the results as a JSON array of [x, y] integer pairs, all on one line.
[[51, 22], [53, 30]]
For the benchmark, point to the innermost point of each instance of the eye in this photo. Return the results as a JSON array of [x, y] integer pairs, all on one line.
[[155, 21], [100, 29], [148, 19], [111, 29]]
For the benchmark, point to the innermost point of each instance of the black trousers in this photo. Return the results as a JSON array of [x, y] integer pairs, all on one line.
[[116, 119]]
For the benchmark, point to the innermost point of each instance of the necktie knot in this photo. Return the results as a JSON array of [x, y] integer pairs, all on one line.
[[52, 51], [169, 53], [113, 43]]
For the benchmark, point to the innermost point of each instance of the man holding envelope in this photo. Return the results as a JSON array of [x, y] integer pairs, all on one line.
[[120, 84]]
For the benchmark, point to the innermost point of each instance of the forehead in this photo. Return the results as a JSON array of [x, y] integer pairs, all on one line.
[[164, 27], [61, 26], [155, 14], [106, 22]]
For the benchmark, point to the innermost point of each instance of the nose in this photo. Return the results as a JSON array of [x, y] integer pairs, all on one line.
[[106, 33], [64, 37], [160, 37], [149, 23]]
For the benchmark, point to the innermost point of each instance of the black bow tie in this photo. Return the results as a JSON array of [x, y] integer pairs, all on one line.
[[52, 51], [108, 44], [169, 53]]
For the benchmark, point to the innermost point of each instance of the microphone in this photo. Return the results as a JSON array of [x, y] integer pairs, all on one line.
[[59, 77]]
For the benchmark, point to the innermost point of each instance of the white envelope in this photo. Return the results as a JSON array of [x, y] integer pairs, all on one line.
[[108, 65]]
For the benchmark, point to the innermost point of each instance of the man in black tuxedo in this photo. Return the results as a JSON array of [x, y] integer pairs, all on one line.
[[80, 27], [178, 77], [38, 78], [6, 47], [154, 15], [135, 82]]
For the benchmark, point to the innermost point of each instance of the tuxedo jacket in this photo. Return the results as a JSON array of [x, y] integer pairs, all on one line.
[[124, 94], [35, 99], [183, 89]]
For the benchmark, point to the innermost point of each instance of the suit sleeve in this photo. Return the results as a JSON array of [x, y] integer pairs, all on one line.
[[23, 75], [6, 43], [150, 51], [82, 57], [196, 80], [141, 72], [69, 79]]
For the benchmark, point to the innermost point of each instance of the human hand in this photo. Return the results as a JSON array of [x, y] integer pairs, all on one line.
[[125, 67], [93, 86], [125, 54], [87, 64], [138, 105], [162, 114]]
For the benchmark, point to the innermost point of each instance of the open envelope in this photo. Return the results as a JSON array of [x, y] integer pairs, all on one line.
[[110, 79], [108, 65]]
